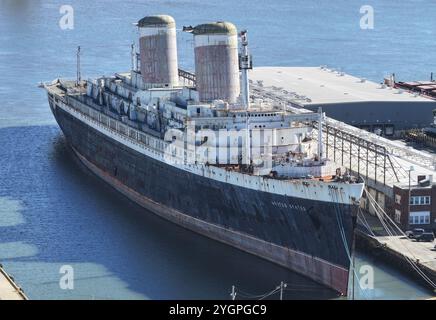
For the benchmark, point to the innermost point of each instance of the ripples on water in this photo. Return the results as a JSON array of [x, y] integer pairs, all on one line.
[[53, 212]]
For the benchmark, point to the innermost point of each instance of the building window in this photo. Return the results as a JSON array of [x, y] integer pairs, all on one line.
[[397, 199], [420, 200], [419, 217], [397, 216]]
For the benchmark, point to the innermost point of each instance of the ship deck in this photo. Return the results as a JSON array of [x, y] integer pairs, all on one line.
[[241, 169], [68, 88]]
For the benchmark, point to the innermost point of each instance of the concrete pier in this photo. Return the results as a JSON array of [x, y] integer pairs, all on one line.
[[421, 252], [395, 249], [9, 290]]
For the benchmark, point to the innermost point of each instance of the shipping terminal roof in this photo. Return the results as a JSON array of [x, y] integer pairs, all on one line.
[[324, 86]]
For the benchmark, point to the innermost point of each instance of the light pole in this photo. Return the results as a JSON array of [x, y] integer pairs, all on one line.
[[412, 168], [233, 294], [282, 287]]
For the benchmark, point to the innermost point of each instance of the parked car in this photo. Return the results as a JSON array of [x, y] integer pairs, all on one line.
[[426, 237], [412, 234]]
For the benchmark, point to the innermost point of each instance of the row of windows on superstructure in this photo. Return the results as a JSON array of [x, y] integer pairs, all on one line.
[[256, 115], [216, 127]]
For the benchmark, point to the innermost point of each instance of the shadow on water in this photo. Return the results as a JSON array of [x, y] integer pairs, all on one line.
[[17, 6], [67, 216]]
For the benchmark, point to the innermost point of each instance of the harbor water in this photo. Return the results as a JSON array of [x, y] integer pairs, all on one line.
[[54, 213]]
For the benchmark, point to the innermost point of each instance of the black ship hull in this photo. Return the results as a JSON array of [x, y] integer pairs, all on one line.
[[316, 243]]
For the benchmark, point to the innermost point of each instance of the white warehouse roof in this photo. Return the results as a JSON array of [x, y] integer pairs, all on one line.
[[324, 86]]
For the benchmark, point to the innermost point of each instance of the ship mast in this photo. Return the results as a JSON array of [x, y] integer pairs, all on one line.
[[79, 75], [245, 64]]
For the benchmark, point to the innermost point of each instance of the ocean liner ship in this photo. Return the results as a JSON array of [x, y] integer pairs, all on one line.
[[198, 150]]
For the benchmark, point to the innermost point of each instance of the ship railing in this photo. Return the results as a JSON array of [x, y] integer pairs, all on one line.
[[188, 77]]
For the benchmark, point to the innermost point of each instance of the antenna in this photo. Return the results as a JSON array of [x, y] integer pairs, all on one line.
[[245, 64], [133, 54], [79, 75]]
